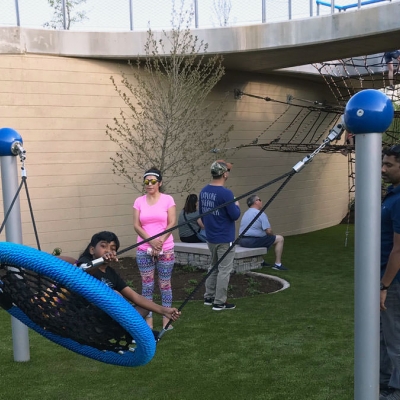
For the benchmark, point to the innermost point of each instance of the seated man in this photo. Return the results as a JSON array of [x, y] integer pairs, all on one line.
[[260, 233]]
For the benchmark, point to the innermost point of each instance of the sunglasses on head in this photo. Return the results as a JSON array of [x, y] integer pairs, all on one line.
[[148, 181]]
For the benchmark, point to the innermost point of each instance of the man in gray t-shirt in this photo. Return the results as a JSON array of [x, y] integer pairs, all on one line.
[[260, 233]]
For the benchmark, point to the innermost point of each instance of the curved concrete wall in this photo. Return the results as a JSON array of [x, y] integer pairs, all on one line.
[[61, 107], [256, 48]]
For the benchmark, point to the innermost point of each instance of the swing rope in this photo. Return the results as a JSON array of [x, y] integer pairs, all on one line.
[[22, 155], [10, 207], [67, 283]]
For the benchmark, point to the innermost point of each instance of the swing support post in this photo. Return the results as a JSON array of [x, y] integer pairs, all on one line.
[[9, 180], [368, 113]]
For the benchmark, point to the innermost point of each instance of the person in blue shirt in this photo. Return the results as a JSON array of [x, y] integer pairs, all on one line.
[[220, 233], [260, 233], [389, 56], [390, 277]]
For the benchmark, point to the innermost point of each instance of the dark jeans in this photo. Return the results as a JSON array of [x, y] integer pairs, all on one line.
[[253, 242], [390, 338]]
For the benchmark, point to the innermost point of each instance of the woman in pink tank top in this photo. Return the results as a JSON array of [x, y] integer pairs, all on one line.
[[154, 213]]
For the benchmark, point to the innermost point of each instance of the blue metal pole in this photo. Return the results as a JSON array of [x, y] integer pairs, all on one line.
[[263, 11], [64, 12], [17, 13], [196, 13], [131, 15]]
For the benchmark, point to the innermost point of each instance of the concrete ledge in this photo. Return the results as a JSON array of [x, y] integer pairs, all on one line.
[[202, 248], [285, 284], [198, 255]]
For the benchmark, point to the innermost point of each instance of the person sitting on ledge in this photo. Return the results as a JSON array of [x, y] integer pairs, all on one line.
[[260, 233], [193, 232]]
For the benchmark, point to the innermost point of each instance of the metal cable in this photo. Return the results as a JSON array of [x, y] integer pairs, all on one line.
[[233, 244], [31, 212], [11, 207]]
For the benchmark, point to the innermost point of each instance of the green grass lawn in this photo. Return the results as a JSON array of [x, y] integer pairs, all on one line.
[[292, 345]]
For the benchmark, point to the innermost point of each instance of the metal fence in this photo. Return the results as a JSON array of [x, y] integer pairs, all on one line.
[[125, 15]]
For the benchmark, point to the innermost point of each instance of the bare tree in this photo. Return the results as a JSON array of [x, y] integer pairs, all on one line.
[[222, 10], [72, 15], [171, 123]]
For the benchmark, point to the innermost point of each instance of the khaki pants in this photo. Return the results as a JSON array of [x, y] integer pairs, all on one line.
[[217, 283]]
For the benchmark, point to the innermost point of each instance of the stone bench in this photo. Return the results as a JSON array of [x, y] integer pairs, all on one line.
[[198, 255]]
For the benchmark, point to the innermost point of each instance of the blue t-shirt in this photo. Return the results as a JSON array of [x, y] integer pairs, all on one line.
[[390, 224], [259, 226], [219, 225]]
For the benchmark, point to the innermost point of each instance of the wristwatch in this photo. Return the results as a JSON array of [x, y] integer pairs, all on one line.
[[383, 287]]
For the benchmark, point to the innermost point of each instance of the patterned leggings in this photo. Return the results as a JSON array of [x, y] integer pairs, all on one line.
[[164, 265]]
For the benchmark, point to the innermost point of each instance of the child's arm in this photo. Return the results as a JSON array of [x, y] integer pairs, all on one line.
[[137, 299]]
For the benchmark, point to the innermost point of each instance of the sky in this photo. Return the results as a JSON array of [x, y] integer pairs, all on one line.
[[105, 15]]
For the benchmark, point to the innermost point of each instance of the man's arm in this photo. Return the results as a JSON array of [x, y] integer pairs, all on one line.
[[392, 268], [233, 209], [265, 224], [393, 264]]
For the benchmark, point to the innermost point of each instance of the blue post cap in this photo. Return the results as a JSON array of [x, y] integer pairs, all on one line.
[[8, 137], [368, 111]]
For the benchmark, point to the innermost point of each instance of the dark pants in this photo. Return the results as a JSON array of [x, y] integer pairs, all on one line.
[[191, 239], [253, 242]]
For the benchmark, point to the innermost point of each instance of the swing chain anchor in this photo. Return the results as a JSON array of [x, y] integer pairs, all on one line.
[[93, 264], [18, 150], [334, 134]]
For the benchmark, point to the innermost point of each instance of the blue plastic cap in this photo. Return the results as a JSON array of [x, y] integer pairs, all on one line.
[[368, 111], [8, 136]]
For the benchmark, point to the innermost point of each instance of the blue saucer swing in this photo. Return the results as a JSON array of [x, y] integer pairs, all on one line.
[[71, 308]]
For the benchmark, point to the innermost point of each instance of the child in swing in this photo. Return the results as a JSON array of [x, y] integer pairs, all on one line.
[[105, 244]]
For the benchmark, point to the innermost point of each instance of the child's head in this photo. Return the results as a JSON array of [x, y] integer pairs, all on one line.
[[101, 243]]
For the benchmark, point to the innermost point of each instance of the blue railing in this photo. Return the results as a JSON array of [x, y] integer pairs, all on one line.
[[345, 7]]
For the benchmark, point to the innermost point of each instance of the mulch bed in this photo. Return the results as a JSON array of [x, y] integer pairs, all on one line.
[[185, 279]]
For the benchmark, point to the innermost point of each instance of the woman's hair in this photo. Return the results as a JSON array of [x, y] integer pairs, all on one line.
[[98, 237], [153, 171], [190, 204]]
